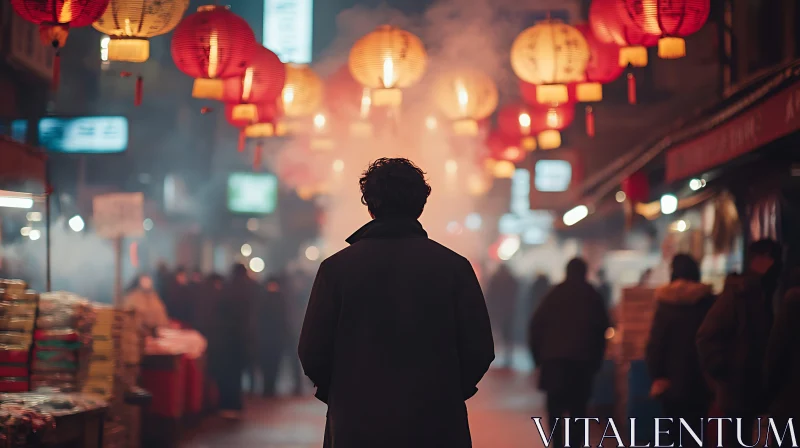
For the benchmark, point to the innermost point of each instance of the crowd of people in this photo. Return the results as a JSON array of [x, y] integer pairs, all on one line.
[[731, 356], [252, 328]]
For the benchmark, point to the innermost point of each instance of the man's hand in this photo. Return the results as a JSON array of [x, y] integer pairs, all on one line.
[[660, 385]]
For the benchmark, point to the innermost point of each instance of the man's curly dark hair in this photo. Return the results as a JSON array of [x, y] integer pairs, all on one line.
[[394, 188]]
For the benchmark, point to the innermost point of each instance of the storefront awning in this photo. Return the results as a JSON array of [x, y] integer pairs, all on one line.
[[21, 164], [756, 114]]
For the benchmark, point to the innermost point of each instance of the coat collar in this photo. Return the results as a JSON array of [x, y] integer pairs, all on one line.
[[389, 228]]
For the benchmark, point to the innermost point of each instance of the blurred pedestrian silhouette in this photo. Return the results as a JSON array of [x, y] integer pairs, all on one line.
[[272, 331], [501, 298], [567, 342], [732, 340], [678, 381], [396, 336], [235, 338], [539, 289], [783, 358]]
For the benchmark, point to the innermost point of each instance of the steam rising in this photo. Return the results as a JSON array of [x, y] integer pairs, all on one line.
[[458, 34]]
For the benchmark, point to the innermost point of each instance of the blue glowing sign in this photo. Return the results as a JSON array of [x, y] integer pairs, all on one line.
[[84, 135]]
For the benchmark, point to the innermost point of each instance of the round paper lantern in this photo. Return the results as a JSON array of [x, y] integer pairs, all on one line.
[[503, 147], [131, 23], [670, 20], [603, 66], [610, 25], [550, 54], [551, 120], [263, 124], [262, 82], [55, 18], [210, 45], [387, 60], [514, 120], [636, 187], [466, 96], [302, 93]]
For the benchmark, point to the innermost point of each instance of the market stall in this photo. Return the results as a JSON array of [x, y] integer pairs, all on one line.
[[173, 369]]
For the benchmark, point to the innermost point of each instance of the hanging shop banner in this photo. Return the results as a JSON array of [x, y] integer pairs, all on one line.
[[288, 29], [118, 215], [20, 164], [776, 117]]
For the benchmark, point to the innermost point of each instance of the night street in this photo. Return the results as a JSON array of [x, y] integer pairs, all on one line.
[[499, 418]]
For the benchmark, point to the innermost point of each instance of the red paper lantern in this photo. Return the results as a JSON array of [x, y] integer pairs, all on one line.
[[670, 20], [514, 120], [552, 117], [636, 187], [610, 24], [267, 113], [503, 147], [261, 82], [55, 18], [213, 44], [603, 66]]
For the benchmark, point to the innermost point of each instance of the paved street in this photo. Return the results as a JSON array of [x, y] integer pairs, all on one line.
[[499, 417]]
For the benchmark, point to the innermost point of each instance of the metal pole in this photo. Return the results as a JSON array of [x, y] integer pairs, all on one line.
[[48, 192]]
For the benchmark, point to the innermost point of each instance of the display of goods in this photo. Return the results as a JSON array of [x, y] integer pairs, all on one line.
[[23, 426], [17, 309], [14, 384], [15, 338], [54, 381], [12, 286]]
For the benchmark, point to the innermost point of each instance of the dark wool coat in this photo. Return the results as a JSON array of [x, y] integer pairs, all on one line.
[[671, 349], [396, 337], [732, 342]]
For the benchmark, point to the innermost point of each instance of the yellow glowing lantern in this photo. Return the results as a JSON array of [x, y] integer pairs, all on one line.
[[302, 93], [550, 54], [549, 139], [465, 97], [130, 23], [503, 169], [387, 60]]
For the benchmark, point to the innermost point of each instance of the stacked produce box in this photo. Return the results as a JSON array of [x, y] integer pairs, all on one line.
[[62, 342], [17, 318]]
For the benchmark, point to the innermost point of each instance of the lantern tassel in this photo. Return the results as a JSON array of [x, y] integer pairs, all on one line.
[[242, 139], [590, 121], [56, 72], [257, 157], [137, 98], [631, 88]]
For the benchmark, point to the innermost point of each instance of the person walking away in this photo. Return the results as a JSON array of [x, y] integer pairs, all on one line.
[[272, 329], [502, 299], [567, 342], [234, 339], [782, 367], [678, 381], [209, 325], [396, 336], [733, 338], [145, 303]]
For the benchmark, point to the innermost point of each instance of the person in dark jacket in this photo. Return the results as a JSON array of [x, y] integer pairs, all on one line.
[[733, 338], [502, 300], [782, 367], [396, 336], [604, 288], [272, 331], [567, 342], [678, 381], [179, 299], [234, 338], [539, 289]]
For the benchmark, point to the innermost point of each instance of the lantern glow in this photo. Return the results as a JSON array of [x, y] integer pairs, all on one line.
[[466, 97], [387, 60]]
